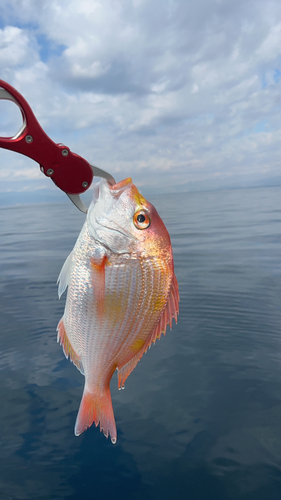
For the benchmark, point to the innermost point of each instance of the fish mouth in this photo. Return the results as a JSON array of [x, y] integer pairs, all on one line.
[[118, 188]]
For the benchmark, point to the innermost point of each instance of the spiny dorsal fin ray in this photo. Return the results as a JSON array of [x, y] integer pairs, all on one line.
[[169, 312]]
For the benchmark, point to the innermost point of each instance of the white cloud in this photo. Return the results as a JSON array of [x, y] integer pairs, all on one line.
[[14, 47], [27, 173], [147, 86], [270, 47]]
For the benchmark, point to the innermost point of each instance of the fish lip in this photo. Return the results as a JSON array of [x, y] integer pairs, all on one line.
[[117, 189], [121, 185]]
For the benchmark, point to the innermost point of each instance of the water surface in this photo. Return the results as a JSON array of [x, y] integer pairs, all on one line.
[[200, 417]]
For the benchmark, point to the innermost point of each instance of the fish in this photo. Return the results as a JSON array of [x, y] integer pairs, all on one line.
[[122, 293]]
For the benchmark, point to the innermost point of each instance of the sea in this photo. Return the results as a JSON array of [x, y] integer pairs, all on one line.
[[200, 416]]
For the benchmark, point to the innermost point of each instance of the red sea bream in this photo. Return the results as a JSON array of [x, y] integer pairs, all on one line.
[[122, 293]]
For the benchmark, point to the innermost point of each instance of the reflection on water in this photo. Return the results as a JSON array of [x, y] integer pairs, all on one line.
[[200, 417]]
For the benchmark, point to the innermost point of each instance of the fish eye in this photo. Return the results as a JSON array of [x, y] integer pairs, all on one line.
[[141, 220]]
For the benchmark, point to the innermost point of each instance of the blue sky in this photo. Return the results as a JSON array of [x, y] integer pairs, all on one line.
[[179, 95]]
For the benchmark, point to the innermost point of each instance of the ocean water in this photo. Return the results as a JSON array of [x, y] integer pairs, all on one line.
[[200, 417]]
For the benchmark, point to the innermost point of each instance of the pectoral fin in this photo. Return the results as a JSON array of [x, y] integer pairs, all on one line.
[[98, 276]]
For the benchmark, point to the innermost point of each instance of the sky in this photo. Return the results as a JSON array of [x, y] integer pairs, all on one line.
[[177, 94]]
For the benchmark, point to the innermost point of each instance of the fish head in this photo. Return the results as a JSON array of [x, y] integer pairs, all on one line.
[[123, 221]]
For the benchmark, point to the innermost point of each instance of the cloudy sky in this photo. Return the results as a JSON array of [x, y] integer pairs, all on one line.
[[178, 94]]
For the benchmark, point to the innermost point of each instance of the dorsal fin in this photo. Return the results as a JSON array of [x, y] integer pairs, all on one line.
[[67, 347], [170, 311]]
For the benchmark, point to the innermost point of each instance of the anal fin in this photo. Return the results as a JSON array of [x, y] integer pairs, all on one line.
[[67, 347]]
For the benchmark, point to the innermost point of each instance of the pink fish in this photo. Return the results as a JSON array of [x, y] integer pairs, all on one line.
[[122, 293]]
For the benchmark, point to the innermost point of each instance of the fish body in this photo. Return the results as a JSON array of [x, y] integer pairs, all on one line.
[[122, 292]]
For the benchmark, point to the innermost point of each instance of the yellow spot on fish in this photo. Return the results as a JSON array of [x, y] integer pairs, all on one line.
[[137, 345], [137, 197]]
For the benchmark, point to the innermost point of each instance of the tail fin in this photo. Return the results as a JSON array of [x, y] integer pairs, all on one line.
[[96, 408]]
